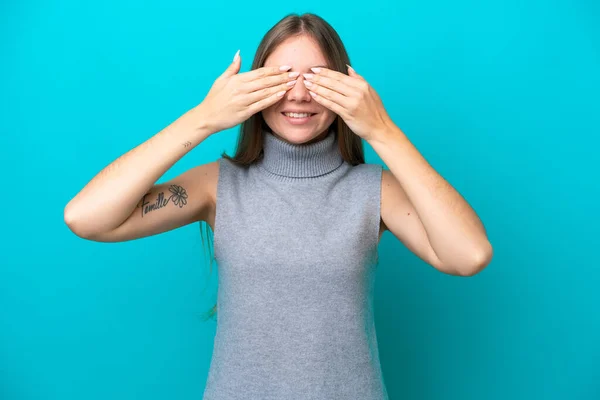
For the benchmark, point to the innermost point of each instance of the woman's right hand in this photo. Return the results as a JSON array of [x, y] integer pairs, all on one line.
[[233, 97]]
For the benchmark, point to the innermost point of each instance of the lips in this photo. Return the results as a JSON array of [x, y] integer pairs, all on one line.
[[298, 121]]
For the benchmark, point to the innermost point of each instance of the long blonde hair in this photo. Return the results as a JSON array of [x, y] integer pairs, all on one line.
[[250, 141]]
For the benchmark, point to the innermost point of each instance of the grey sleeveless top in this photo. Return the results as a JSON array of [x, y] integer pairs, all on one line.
[[295, 239]]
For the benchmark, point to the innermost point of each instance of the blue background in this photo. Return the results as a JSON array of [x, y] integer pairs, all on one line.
[[501, 97]]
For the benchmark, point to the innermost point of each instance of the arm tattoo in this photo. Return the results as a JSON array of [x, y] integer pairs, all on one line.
[[178, 197], [187, 144]]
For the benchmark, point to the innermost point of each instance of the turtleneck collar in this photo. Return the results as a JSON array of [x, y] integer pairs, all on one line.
[[300, 160]]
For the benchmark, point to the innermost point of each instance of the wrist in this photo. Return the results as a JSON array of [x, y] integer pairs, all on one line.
[[383, 135], [200, 122]]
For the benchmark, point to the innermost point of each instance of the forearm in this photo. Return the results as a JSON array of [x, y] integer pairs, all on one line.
[[112, 195], [455, 232]]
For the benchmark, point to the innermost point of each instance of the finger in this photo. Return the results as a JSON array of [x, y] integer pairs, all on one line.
[[329, 94], [234, 67], [352, 73], [266, 92], [331, 83], [266, 102], [338, 76], [336, 108], [263, 72], [269, 81]]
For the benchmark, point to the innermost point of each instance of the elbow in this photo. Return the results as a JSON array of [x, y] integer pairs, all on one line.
[[87, 228], [481, 260], [71, 221], [74, 223]]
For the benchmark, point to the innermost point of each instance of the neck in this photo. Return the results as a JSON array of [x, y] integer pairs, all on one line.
[[304, 160]]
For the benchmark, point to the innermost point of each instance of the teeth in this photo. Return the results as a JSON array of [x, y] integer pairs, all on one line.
[[297, 115]]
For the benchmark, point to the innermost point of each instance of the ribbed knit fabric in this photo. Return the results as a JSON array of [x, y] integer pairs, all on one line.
[[295, 240]]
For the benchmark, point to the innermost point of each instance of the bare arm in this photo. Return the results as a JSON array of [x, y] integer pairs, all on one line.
[[105, 209], [113, 194]]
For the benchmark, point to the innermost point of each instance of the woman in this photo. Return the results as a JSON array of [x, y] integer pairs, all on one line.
[[296, 214]]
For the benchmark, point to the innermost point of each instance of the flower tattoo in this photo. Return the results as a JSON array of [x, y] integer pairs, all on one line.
[[179, 196]]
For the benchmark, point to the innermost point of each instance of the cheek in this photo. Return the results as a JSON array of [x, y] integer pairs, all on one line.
[[328, 115], [268, 113]]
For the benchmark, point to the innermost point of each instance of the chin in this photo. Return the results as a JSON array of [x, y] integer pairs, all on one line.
[[298, 136]]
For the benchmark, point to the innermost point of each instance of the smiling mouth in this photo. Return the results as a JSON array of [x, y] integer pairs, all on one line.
[[302, 115]]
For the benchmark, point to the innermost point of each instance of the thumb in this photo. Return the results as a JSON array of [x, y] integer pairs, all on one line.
[[234, 67]]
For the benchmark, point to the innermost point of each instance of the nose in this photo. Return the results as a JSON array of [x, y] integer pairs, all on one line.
[[299, 92]]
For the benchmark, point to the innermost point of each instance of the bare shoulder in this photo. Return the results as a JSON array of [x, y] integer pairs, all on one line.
[[386, 178], [210, 172], [211, 175], [394, 201]]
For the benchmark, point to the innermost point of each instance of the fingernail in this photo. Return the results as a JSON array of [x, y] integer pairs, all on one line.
[[308, 76], [292, 83], [350, 68], [308, 83], [294, 74], [237, 55], [316, 70], [284, 67]]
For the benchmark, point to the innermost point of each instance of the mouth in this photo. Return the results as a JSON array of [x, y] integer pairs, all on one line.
[[298, 118]]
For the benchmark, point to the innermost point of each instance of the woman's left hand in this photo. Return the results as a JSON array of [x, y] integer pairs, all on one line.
[[351, 97]]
